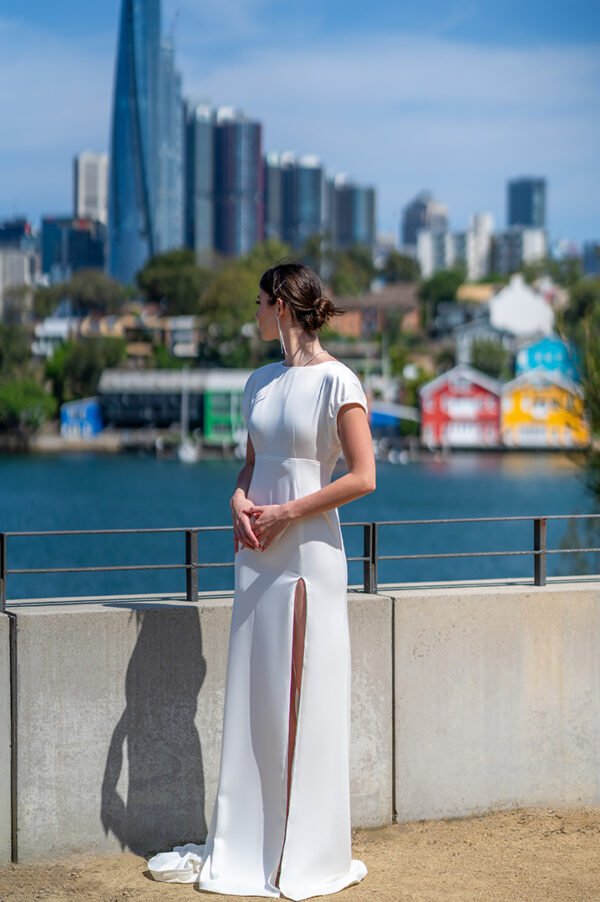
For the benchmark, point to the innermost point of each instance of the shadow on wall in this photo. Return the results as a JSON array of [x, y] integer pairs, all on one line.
[[153, 786]]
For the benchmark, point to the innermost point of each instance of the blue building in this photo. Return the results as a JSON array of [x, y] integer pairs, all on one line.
[[69, 244], [527, 202], [170, 203], [133, 175], [552, 354], [238, 183], [352, 214], [80, 419]]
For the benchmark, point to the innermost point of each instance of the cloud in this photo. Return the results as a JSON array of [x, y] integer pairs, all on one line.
[[402, 112], [419, 112]]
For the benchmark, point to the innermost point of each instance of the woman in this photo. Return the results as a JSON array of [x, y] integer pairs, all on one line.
[[281, 823]]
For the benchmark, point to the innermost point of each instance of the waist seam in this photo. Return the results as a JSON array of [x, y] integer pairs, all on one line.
[[310, 460]]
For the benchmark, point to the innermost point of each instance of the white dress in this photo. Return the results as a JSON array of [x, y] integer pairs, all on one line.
[[291, 414]]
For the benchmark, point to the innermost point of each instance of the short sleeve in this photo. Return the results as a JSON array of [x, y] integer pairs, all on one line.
[[247, 398], [346, 389]]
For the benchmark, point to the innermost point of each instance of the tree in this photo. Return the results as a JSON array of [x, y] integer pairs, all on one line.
[[566, 272], [400, 268], [442, 286], [490, 357], [174, 280], [24, 405], [76, 366], [353, 271], [92, 291], [15, 353], [46, 299]]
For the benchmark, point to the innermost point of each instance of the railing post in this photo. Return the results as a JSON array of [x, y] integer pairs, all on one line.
[[191, 560], [539, 548], [370, 554], [2, 572]]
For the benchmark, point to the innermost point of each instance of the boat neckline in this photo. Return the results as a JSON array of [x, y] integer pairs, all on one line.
[[313, 367]]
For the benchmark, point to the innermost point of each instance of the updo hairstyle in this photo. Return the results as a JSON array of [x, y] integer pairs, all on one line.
[[301, 290]]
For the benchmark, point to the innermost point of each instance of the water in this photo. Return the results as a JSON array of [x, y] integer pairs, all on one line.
[[103, 492]]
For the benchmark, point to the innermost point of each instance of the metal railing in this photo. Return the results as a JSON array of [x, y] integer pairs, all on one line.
[[370, 557]]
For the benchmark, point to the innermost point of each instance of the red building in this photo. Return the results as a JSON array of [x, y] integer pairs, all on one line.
[[461, 409]]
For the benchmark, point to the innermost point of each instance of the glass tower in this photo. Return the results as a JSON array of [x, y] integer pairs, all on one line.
[[527, 202], [134, 141], [169, 208]]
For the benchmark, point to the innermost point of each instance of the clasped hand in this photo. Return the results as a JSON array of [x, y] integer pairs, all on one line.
[[256, 526]]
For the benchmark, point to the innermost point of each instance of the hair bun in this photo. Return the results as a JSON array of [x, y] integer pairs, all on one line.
[[322, 311]]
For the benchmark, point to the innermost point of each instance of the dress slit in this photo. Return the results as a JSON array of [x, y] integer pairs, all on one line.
[[297, 663]]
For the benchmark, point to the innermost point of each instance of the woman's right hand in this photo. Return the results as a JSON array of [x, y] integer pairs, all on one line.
[[243, 534]]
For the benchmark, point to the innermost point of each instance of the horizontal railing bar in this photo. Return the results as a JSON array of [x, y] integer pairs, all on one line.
[[483, 519], [105, 532], [110, 568], [179, 529], [417, 557]]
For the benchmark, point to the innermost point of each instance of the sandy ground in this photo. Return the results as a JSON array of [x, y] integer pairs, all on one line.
[[527, 855]]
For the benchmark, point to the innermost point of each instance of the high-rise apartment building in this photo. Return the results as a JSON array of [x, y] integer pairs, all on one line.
[[199, 181], [90, 186], [134, 141], [18, 270], [517, 246], [238, 183], [170, 185], [591, 258], [471, 249], [69, 244], [527, 202], [351, 214], [295, 198], [422, 213]]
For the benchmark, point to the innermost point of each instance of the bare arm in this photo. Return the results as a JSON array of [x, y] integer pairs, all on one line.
[[357, 446], [243, 534]]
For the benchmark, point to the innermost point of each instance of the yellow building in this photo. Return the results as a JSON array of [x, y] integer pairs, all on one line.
[[542, 409]]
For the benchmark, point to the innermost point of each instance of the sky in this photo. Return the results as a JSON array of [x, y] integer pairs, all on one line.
[[454, 96]]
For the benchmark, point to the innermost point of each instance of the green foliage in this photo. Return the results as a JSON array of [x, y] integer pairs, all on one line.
[[162, 360], [445, 359], [14, 351], [92, 291], [174, 280], [76, 366], [442, 286], [490, 357], [400, 268], [566, 272], [24, 405], [353, 271], [47, 298]]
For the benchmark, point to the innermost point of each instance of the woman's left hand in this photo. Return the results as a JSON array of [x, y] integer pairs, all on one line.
[[268, 520]]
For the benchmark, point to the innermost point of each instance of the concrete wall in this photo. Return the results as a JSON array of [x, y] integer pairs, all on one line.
[[497, 698], [5, 739], [119, 711], [495, 703]]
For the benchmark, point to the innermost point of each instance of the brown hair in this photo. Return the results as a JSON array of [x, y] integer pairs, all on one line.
[[301, 290]]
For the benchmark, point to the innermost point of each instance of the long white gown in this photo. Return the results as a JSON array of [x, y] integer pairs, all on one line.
[[291, 414]]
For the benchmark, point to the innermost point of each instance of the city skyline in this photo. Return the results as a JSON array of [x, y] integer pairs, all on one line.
[[501, 94]]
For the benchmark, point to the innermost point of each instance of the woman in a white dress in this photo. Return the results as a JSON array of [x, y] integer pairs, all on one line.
[[281, 822]]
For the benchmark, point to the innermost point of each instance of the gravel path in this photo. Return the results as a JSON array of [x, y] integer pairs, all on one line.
[[528, 855]]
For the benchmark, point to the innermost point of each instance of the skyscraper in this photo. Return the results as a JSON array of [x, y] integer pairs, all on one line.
[[238, 183], [527, 202], [422, 213], [90, 186], [295, 198], [169, 207], [134, 141], [199, 181], [352, 214]]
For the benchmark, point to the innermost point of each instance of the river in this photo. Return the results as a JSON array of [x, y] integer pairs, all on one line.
[[103, 492]]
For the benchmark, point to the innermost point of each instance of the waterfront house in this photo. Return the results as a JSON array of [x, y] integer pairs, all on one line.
[[551, 353], [543, 409], [521, 310], [461, 409], [480, 329]]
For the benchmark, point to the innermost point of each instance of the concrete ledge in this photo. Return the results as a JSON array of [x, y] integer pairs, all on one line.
[[497, 697], [119, 714], [5, 742], [371, 738]]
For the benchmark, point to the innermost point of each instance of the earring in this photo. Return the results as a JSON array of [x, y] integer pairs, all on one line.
[[283, 350]]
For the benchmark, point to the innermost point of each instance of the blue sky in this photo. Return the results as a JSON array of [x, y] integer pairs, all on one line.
[[452, 96]]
